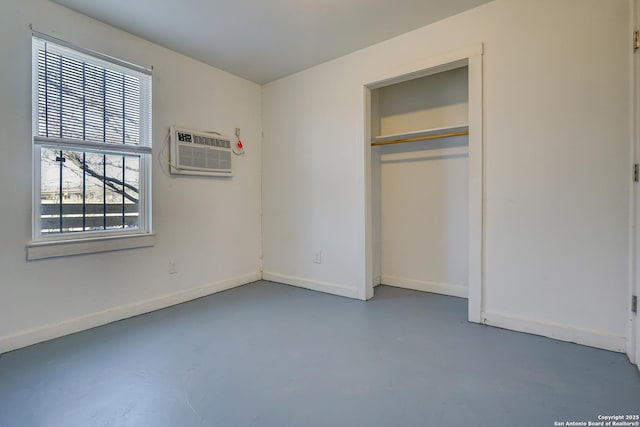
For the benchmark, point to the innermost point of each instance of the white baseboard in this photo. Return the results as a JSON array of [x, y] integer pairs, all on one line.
[[557, 331], [419, 285], [314, 285], [70, 326]]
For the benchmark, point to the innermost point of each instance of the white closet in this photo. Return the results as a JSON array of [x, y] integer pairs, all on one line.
[[420, 182]]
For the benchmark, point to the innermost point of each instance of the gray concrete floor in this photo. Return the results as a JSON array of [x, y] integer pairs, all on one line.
[[267, 354]]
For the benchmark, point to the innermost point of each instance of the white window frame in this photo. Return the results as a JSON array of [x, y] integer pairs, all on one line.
[[80, 242]]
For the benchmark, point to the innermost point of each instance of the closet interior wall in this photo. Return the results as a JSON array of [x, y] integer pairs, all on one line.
[[420, 188]]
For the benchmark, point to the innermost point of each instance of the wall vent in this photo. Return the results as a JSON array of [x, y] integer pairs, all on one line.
[[199, 153]]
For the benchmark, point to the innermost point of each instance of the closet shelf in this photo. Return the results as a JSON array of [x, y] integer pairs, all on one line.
[[420, 135]]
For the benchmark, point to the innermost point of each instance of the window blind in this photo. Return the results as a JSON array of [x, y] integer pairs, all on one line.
[[87, 99]]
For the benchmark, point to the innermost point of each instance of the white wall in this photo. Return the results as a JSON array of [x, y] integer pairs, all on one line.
[[557, 134], [209, 226], [433, 101], [424, 216]]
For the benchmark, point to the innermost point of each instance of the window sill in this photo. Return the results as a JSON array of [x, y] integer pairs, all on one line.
[[42, 250]]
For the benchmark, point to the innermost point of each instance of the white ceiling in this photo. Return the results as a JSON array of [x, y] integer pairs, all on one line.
[[263, 40]]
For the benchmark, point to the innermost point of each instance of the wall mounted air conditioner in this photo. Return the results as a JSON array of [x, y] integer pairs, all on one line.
[[199, 153]]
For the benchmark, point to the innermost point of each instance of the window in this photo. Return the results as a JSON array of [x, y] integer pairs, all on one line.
[[91, 144]]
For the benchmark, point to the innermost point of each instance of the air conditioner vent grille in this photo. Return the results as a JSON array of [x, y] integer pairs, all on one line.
[[203, 158], [199, 153]]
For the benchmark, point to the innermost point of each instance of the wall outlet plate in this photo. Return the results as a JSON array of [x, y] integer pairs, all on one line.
[[173, 267]]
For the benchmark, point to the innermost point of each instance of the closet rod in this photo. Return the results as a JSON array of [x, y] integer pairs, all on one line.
[[420, 138]]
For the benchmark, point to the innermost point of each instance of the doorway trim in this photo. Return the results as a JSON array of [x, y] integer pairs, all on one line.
[[472, 58], [633, 329]]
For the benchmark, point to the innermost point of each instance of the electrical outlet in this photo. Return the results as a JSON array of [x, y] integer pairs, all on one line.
[[317, 256], [173, 267]]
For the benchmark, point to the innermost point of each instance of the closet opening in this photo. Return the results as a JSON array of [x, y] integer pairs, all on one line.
[[424, 142]]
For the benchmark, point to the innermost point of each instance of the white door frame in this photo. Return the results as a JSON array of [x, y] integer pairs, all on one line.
[[471, 57], [633, 331]]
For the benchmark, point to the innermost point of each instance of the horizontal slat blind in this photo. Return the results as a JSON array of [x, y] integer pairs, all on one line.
[[88, 99]]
